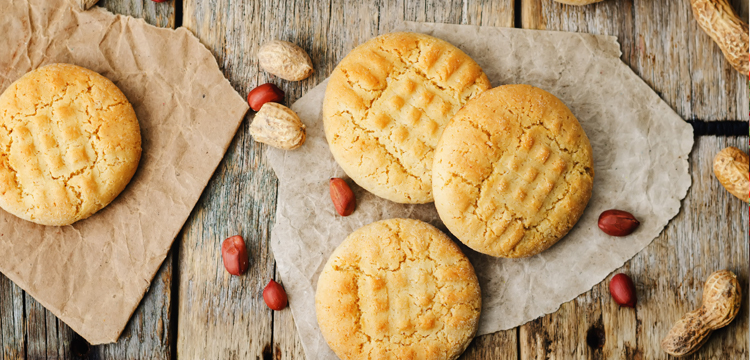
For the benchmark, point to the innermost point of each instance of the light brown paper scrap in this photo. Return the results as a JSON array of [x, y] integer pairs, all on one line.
[[93, 274], [640, 145]]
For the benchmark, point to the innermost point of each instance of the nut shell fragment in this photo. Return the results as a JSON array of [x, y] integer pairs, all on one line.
[[732, 168], [285, 60], [278, 126]]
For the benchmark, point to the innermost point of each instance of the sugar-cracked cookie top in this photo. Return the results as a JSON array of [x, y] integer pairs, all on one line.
[[69, 144], [398, 288], [386, 106], [513, 172]]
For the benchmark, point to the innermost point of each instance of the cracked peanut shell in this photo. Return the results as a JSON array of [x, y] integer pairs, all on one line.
[[513, 172], [398, 288], [731, 167], [285, 60], [278, 126], [69, 144]]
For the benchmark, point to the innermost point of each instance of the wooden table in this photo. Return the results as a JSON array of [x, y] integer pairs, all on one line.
[[194, 310]]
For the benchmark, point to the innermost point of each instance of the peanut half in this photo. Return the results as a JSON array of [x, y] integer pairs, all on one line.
[[275, 296], [623, 291], [278, 126], [618, 223], [719, 20], [732, 168], [342, 196], [721, 303]]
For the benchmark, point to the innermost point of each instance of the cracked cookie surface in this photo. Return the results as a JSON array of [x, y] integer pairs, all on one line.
[[513, 172], [69, 144], [386, 106], [398, 288]]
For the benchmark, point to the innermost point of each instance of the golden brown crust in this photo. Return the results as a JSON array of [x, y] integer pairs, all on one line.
[[69, 144], [513, 172], [386, 106], [398, 287]]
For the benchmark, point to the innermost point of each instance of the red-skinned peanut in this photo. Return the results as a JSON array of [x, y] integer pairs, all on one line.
[[234, 255], [263, 94]]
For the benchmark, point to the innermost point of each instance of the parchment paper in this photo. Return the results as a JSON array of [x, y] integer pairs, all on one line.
[[640, 148], [93, 274]]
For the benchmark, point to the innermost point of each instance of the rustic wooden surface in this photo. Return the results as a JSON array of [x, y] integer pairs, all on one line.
[[709, 234], [663, 44], [194, 310]]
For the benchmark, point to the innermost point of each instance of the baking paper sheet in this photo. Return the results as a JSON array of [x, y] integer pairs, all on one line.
[[93, 274], [640, 145]]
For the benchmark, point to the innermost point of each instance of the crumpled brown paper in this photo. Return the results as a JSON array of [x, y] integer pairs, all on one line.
[[640, 145], [93, 274]]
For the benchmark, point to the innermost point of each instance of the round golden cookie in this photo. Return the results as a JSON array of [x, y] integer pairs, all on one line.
[[513, 172], [385, 108], [69, 143], [399, 289]]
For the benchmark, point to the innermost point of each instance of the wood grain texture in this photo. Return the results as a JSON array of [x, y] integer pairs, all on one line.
[[663, 44], [709, 234], [229, 313], [223, 317], [157, 14], [32, 332]]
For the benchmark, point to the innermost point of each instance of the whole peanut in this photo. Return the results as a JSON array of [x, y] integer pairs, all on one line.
[[719, 20], [278, 126], [732, 168], [285, 60], [721, 303]]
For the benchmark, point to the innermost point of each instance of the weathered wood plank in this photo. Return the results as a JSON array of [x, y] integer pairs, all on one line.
[[12, 322], [241, 197], [157, 14], [500, 345], [709, 234], [663, 44]]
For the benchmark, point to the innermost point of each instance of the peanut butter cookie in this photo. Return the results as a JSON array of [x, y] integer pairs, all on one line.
[[385, 108], [69, 144], [399, 289], [513, 172]]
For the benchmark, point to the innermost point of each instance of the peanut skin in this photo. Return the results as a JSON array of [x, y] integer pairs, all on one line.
[[732, 168], [234, 255], [721, 303]]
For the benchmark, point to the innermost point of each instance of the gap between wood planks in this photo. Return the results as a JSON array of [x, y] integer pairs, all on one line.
[[174, 300], [700, 128]]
